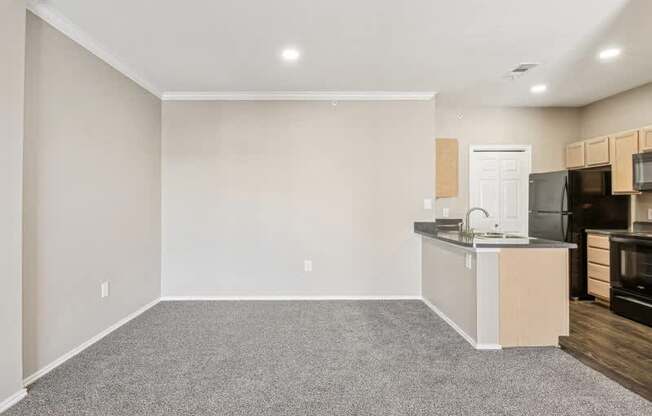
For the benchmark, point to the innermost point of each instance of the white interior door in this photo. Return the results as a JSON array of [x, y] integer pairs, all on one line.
[[498, 182]]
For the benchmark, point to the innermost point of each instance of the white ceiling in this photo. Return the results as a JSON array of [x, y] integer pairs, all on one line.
[[460, 49]]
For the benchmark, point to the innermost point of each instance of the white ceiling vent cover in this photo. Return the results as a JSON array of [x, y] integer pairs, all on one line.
[[520, 70]]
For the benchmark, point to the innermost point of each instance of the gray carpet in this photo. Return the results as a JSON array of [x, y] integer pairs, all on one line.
[[315, 358]]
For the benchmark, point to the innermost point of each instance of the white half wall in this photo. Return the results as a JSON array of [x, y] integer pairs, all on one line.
[[252, 189]]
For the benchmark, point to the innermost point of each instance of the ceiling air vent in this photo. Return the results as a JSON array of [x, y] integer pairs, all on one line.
[[520, 70]]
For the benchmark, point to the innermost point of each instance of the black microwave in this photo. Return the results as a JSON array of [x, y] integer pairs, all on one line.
[[642, 163]]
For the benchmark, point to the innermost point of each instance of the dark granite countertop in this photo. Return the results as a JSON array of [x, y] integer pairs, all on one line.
[[428, 229], [605, 232]]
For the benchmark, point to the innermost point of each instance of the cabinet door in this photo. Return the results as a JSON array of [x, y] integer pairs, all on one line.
[[446, 157], [624, 146], [598, 289], [598, 241], [597, 151], [575, 155], [645, 139]]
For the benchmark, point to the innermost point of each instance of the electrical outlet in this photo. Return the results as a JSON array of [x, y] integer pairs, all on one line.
[[649, 213], [307, 265], [427, 203], [468, 261], [445, 212], [104, 289]]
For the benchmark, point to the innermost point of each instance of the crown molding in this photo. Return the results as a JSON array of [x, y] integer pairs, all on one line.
[[298, 96], [49, 14], [45, 11]]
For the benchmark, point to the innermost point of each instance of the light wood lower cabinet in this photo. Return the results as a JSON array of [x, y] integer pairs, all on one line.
[[598, 272], [623, 146], [597, 266], [597, 151], [598, 240], [599, 289], [598, 256]]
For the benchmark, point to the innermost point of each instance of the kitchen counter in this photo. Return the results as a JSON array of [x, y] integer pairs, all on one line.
[[496, 294], [427, 229]]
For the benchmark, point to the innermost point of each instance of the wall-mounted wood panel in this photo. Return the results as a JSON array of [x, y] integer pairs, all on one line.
[[533, 296], [446, 168]]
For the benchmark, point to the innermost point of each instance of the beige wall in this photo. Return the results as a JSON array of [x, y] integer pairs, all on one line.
[[91, 195], [546, 129], [12, 53], [628, 110], [251, 189], [625, 111]]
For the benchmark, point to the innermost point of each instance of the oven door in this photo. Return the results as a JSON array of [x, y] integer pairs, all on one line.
[[642, 163], [631, 267]]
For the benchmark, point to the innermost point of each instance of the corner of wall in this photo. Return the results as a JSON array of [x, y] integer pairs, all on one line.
[[12, 72]]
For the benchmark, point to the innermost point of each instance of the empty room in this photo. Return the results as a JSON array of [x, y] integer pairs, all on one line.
[[366, 207]]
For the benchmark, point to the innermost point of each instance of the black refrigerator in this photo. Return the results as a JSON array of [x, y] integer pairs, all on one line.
[[562, 205]]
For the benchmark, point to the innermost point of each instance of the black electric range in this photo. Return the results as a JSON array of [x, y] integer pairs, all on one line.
[[631, 273]]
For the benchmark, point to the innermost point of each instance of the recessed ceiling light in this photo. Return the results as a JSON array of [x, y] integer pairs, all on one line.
[[290, 54], [538, 89], [610, 53]]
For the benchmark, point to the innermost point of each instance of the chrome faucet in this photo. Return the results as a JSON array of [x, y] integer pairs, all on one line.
[[467, 225]]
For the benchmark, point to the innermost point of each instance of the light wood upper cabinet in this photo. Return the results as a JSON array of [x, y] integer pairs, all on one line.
[[597, 151], [446, 175], [645, 139], [575, 155], [623, 146]]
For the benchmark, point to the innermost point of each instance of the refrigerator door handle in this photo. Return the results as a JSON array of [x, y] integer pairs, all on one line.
[[564, 192]]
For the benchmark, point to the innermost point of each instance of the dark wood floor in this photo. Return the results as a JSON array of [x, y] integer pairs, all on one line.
[[617, 347]]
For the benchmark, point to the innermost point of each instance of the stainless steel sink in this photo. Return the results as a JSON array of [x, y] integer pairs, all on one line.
[[489, 235], [497, 235], [501, 238]]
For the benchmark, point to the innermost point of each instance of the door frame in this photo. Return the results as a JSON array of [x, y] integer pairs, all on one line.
[[526, 148]]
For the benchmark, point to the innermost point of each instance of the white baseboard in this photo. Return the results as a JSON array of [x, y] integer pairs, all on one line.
[[245, 298], [13, 399], [459, 330], [54, 364]]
